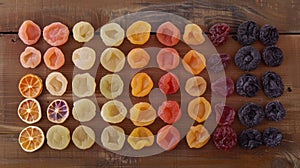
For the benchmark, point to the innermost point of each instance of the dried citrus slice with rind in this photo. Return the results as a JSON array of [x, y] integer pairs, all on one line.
[[30, 86], [58, 137], [58, 111], [29, 111], [31, 138]]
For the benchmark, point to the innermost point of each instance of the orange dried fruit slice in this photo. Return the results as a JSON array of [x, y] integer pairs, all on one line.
[[138, 32], [56, 34], [138, 58], [29, 32], [30, 86], [194, 62], [30, 57], [199, 109], [31, 138], [141, 84], [142, 114], [54, 58], [29, 111], [197, 136], [58, 111]]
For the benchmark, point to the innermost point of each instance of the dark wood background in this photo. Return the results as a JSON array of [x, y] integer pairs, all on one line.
[[285, 15]]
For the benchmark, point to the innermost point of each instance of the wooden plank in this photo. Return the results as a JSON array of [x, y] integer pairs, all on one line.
[[283, 14]]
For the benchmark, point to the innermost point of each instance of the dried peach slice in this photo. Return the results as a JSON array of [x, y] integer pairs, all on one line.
[[195, 86], [140, 137], [29, 111], [30, 86], [31, 138], [84, 58], [29, 32], [56, 83], [142, 114], [138, 32], [168, 137], [199, 109], [58, 137], [58, 111], [56, 34], [168, 34], [167, 59], [112, 34], [113, 111], [54, 58], [113, 137], [111, 86], [138, 58], [197, 136], [193, 35], [83, 137], [83, 85], [194, 62], [112, 59], [30, 57], [141, 84], [83, 31]]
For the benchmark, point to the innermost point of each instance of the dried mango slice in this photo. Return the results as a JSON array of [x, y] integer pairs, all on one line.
[[138, 58], [168, 34], [199, 109], [142, 114], [56, 34], [54, 58], [31, 138], [113, 111], [194, 62], [112, 34], [140, 137], [58, 137], [30, 57], [56, 83], [141, 84], [195, 86], [113, 138], [83, 31], [197, 137], [29, 111], [84, 110], [29, 32], [167, 59], [111, 86], [112, 59], [138, 32], [83, 137], [84, 58], [193, 35], [30, 86], [168, 137], [83, 85], [58, 111]]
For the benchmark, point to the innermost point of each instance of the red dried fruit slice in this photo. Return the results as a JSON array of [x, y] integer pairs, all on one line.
[[224, 114], [219, 33], [167, 59], [168, 34], [56, 34], [168, 137], [225, 138], [29, 32], [168, 83], [54, 58], [169, 112], [30, 57], [58, 111]]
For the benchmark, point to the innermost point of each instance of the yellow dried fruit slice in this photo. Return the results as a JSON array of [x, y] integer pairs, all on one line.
[[112, 34], [31, 138], [111, 86], [29, 111], [197, 136], [193, 35], [112, 59], [83, 85], [113, 111], [58, 137], [141, 84], [83, 31], [84, 58], [84, 110], [113, 138], [140, 137], [138, 32], [138, 58], [142, 114], [83, 137], [199, 109], [56, 83], [195, 86]]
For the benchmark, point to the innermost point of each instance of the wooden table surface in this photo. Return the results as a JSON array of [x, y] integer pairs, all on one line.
[[285, 15]]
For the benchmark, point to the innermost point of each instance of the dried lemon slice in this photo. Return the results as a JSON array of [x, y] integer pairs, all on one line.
[[84, 58], [31, 138], [56, 83], [112, 34], [29, 111], [113, 111], [142, 114], [83, 137], [58, 111], [138, 32], [111, 86], [58, 137], [193, 35], [30, 86], [84, 110], [113, 138], [140, 137], [83, 85], [112, 59], [83, 31]]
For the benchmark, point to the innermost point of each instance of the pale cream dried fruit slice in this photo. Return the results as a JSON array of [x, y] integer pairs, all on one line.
[[58, 137], [193, 35], [56, 83], [113, 138], [83, 137], [112, 59], [31, 138], [83, 85], [84, 58], [140, 137], [84, 110], [111, 86], [113, 111], [195, 86], [83, 31], [112, 34], [142, 114]]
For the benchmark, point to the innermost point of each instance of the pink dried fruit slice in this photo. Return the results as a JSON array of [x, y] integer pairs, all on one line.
[[58, 111], [167, 59], [54, 58], [56, 34], [29, 32], [168, 34], [168, 137], [30, 57], [169, 111], [168, 83]]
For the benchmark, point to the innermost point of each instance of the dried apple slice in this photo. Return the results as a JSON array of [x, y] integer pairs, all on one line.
[[113, 111], [58, 137], [83, 137], [111, 86], [140, 137], [113, 138], [56, 83], [142, 114]]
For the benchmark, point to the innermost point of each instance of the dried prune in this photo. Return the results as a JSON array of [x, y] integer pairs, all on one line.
[[272, 84], [272, 137], [251, 114], [224, 114], [218, 62], [247, 33], [250, 138], [272, 56], [268, 35], [275, 111], [247, 85], [225, 138], [218, 33], [223, 86], [247, 58]]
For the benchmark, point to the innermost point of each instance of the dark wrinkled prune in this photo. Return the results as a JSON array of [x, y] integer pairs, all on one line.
[[272, 137], [268, 35], [247, 32], [224, 86], [225, 138], [247, 85], [272, 84], [275, 111], [224, 114], [217, 62], [251, 114], [218, 33], [272, 56], [247, 58], [250, 139]]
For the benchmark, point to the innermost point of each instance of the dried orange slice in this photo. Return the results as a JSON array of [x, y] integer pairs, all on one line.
[[58, 111], [31, 138], [30, 86], [29, 111]]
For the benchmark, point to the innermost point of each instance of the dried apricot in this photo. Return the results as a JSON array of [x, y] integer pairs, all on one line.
[[54, 58], [142, 114], [112, 34], [167, 59], [168, 137], [169, 111], [199, 109], [56, 34], [193, 35], [197, 137], [138, 58], [140, 137], [194, 62], [30, 86], [141, 84], [29, 111], [31, 138], [29, 32], [168, 83], [56, 83], [168, 34], [30, 57], [195, 86], [138, 32], [83, 31]]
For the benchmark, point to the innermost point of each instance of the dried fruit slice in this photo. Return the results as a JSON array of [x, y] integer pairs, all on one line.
[[218, 33], [168, 137], [84, 110], [197, 136], [218, 62], [83, 85], [83, 31], [56, 34], [30, 86], [111, 86], [138, 58], [142, 114], [138, 32], [58, 111], [30, 57], [193, 35], [168, 34], [54, 58], [225, 138], [112, 59], [169, 111], [83, 137], [140, 137], [195, 86], [31, 138], [56, 83], [141, 84], [112, 34], [113, 138], [199, 109], [224, 86], [58, 137], [29, 32], [167, 59], [194, 62], [84, 58], [168, 83], [113, 111], [29, 111], [251, 114], [224, 114]]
